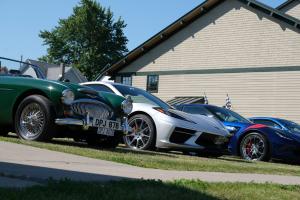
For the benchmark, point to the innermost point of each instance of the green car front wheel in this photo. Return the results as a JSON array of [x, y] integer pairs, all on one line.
[[34, 119]]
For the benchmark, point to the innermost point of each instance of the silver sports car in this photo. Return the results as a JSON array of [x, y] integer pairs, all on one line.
[[154, 123]]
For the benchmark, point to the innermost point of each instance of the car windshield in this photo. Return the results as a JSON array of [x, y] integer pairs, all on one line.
[[226, 115], [141, 96], [11, 67], [292, 126]]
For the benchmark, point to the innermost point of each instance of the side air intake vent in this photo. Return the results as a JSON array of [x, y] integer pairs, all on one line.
[[181, 135]]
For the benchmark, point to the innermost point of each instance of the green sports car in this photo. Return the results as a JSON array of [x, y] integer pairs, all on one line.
[[39, 109]]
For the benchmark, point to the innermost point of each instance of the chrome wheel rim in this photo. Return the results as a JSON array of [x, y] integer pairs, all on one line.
[[253, 147], [32, 121], [140, 136]]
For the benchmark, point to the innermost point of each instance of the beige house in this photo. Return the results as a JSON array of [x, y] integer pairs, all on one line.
[[242, 48]]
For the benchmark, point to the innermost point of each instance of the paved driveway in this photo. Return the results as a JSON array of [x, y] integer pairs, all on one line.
[[24, 165]]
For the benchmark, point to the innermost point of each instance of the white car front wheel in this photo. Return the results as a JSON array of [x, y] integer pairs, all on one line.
[[143, 134]]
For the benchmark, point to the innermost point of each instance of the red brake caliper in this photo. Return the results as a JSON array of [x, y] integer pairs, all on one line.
[[248, 147]]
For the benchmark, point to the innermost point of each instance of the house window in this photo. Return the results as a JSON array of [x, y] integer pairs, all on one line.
[[152, 83], [126, 80]]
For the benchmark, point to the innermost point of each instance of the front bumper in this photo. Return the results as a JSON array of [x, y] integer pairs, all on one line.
[[181, 135], [86, 123]]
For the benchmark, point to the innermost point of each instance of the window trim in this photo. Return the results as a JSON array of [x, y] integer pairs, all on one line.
[[147, 86], [126, 76]]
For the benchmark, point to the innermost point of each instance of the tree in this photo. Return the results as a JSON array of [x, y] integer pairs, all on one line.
[[89, 39]]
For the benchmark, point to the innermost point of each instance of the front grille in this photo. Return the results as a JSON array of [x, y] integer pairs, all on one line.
[[93, 108], [181, 135], [206, 139]]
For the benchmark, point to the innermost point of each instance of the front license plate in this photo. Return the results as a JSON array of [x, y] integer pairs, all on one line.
[[105, 131], [103, 123]]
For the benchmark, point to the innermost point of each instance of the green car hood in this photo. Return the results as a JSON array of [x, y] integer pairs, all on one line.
[[112, 100]]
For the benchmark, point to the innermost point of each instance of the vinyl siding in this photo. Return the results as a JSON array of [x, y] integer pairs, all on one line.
[[252, 94], [140, 82], [293, 9], [229, 36]]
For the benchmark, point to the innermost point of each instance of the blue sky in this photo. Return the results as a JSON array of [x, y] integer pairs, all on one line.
[[21, 20]]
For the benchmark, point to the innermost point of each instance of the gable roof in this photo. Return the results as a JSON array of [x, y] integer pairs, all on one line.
[[187, 19], [284, 4]]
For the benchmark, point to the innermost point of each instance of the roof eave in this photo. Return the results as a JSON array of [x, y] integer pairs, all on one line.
[[284, 4], [164, 34]]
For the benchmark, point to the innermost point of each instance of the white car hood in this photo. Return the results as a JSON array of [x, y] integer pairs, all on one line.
[[205, 123]]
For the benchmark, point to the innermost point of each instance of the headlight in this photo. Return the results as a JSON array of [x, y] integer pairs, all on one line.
[[127, 105], [68, 96], [232, 130]]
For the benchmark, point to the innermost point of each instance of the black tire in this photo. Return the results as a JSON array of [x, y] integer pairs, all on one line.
[[261, 147], [105, 142], [149, 143], [45, 110]]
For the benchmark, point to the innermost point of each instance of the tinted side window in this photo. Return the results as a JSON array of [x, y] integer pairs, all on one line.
[[267, 123], [101, 88], [196, 110]]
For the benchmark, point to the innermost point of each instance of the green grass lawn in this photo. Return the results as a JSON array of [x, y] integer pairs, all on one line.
[[164, 160], [147, 189]]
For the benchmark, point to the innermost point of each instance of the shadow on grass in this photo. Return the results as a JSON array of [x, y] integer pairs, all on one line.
[[62, 184]]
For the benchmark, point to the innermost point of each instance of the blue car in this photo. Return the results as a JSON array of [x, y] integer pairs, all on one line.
[[253, 141]]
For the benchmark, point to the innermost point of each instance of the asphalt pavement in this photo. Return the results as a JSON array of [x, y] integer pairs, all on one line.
[[22, 165]]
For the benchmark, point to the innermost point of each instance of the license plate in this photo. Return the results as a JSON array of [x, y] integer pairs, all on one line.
[[103, 123], [105, 131]]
